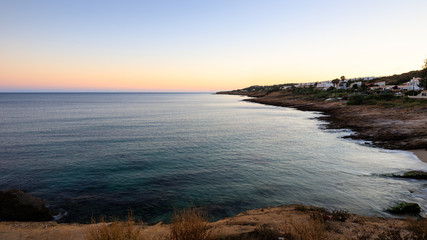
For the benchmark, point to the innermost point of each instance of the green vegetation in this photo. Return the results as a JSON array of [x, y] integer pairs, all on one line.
[[358, 96], [301, 208], [312, 93], [399, 79], [423, 82], [370, 99], [405, 208], [267, 89], [386, 100], [413, 175]]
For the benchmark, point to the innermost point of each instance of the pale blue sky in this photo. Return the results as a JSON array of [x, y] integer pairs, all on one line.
[[204, 45]]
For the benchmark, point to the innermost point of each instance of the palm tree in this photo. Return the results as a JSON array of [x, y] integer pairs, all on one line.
[[423, 81], [335, 82]]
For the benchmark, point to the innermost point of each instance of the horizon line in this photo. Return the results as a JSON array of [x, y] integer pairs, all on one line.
[[89, 91]]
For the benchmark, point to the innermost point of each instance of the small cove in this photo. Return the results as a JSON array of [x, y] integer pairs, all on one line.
[[92, 154]]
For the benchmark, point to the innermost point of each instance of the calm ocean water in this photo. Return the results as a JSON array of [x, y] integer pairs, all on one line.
[[92, 154]]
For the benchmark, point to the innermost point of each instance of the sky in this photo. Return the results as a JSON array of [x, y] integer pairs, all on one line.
[[170, 45]]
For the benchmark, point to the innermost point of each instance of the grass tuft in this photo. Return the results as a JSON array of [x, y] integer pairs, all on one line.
[[189, 224], [312, 230], [115, 230]]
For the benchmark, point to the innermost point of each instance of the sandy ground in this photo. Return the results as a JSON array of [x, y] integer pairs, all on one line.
[[421, 154], [41, 230], [282, 220], [55, 231]]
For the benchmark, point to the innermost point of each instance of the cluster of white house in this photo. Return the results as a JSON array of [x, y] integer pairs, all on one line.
[[413, 84]]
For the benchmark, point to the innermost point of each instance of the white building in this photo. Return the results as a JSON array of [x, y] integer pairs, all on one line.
[[342, 85], [359, 84], [380, 84], [412, 85], [325, 85]]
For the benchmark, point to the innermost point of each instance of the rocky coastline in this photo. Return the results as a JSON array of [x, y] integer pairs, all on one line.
[[392, 128], [386, 127]]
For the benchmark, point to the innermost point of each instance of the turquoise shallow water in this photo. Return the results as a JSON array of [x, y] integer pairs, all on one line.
[[92, 154]]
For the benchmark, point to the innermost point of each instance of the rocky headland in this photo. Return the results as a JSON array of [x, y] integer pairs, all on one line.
[[16, 205]]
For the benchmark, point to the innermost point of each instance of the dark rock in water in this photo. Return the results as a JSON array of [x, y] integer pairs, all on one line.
[[405, 208], [413, 175], [16, 205]]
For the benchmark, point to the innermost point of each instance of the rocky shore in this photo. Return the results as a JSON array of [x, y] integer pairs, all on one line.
[[287, 222], [387, 127]]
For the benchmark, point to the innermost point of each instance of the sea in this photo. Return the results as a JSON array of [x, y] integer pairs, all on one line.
[[104, 154]]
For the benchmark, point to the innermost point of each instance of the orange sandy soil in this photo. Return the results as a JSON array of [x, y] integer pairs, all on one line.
[[283, 220], [421, 154]]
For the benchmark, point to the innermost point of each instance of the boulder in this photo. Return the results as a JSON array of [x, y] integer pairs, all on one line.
[[405, 208], [16, 205], [415, 175]]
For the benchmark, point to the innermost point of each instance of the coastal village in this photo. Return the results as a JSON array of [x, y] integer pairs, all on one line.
[[390, 111], [414, 88], [368, 83]]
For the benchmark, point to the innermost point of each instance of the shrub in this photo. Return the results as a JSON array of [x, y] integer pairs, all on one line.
[[385, 96], [356, 100], [340, 215], [189, 224], [412, 93], [114, 231], [301, 208]]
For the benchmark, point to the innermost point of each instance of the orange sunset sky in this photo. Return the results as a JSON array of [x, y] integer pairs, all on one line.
[[204, 45]]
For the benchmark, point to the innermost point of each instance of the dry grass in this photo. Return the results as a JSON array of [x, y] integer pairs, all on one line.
[[189, 224], [311, 230], [115, 230], [418, 228]]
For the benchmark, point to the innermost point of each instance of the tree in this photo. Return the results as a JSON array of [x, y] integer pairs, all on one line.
[[335, 82], [342, 78], [423, 81]]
